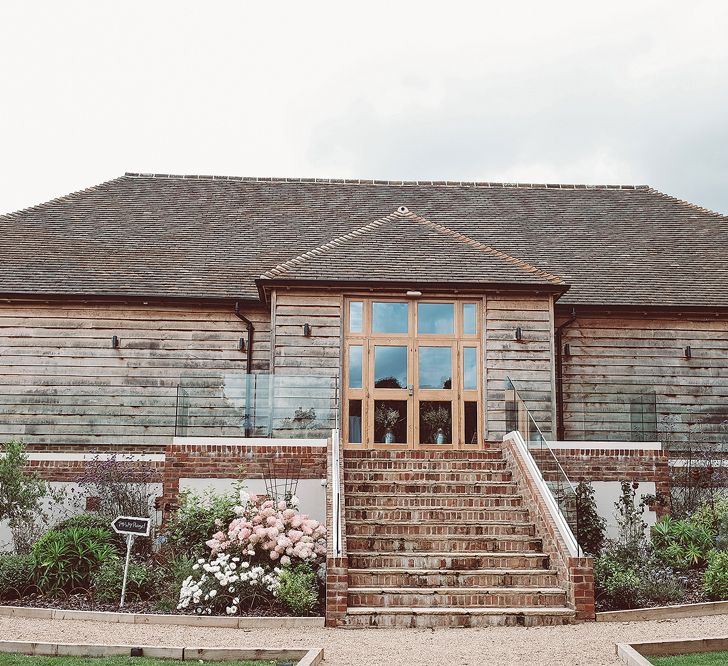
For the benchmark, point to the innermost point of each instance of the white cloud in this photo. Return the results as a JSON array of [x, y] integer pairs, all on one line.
[[561, 91]]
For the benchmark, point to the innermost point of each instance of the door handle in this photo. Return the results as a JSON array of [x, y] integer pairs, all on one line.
[[411, 389]]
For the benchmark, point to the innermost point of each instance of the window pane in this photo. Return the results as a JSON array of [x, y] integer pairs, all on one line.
[[390, 421], [390, 317], [470, 368], [436, 318], [470, 324], [390, 367], [356, 322], [471, 423], [435, 422], [355, 371], [355, 421], [435, 367]]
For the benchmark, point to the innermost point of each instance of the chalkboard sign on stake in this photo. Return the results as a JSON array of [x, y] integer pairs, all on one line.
[[132, 527]]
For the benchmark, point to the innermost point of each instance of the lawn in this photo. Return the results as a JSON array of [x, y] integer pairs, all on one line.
[[8, 659], [698, 659]]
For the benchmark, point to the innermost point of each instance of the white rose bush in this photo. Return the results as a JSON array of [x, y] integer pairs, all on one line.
[[266, 543]]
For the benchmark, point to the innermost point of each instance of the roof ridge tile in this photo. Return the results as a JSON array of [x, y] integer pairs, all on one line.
[[696, 207], [284, 267], [63, 197], [396, 182]]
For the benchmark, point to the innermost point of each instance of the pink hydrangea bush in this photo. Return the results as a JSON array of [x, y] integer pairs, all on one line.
[[274, 532], [263, 546]]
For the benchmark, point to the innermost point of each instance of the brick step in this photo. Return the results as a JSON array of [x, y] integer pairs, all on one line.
[[366, 559], [446, 544], [430, 488], [495, 465], [419, 476], [390, 528], [458, 597], [453, 454], [453, 578], [439, 514], [434, 618], [457, 501]]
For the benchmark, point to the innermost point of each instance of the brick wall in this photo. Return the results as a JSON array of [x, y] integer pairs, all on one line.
[[220, 461], [640, 465], [575, 574], [72, 471], [337, 565]]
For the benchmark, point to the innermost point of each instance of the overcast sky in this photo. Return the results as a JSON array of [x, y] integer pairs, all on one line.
[[631, 92]]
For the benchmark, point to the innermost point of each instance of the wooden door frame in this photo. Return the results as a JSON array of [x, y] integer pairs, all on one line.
[[457, 395]]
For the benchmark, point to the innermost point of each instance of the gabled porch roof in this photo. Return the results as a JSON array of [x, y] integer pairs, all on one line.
[[403, 247]]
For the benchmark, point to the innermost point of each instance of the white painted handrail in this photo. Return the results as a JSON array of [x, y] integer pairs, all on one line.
[[335, 492], [548, 497]]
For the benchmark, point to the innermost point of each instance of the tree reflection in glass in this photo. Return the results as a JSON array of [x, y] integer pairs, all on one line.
[[390, 367]]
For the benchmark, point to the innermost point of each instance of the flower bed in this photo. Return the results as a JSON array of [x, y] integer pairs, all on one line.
[[679, 562], [219, 554]]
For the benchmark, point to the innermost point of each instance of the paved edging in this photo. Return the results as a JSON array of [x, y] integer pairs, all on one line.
[[302, 657], [665, 612], [632, 654], [151, 618]]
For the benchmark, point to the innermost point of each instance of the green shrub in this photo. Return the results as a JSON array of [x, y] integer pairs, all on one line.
[[591, 526], [170, 574], [65, 559], [659, 586], [197, 519], [299, 589], [616, 583], [629, 514], [711, 514], [94, 521], [16, 575], [682, 544], [715, 580], [21, 494], [107, 581], [721, 539]]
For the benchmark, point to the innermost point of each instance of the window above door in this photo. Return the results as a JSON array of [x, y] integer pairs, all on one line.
[[412, 373]]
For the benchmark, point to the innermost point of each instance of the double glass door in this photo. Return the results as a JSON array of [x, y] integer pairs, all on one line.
[[412, 374]]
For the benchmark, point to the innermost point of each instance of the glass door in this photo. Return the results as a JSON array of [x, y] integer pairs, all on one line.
[[390, 409], [412, 374], [435, 397]]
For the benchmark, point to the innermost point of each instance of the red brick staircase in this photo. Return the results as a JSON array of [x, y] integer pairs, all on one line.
[[443, 539]]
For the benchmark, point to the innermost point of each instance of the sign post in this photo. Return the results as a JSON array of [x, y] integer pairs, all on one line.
[[132, 527]]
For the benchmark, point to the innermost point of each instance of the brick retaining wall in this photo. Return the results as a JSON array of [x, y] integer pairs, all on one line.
[[641, 465], [575, 574], [220, 461]]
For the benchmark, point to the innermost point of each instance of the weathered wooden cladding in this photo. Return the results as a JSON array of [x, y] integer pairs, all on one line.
[[614, 360], [62, 382], [528, 362], [316, 358]]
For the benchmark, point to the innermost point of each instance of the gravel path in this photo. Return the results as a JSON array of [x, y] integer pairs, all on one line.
[[585, 644]]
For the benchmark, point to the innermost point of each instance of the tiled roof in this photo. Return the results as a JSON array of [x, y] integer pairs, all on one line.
[[212, 237], [416, 249]]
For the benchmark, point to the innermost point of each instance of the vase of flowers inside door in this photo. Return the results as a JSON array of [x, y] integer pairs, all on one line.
[[387, 418], [437, 420]]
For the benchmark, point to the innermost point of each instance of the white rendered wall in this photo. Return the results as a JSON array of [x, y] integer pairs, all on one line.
[[74, 504], [606, 493], [311, 492]]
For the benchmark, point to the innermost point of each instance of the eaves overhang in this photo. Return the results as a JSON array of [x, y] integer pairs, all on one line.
[[266, 285]]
